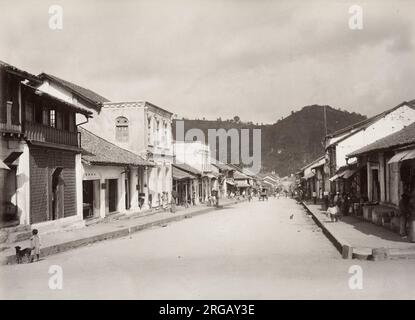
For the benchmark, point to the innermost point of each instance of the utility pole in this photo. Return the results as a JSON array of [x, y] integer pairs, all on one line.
[[325, 119]]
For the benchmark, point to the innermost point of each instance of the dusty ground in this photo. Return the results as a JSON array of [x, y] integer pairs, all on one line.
[[249, 251]]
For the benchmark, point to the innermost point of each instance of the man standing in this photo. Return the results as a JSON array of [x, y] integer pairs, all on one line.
[[411, 216], [404, 211]]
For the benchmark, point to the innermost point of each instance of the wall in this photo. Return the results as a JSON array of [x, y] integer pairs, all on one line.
[[195, 154], [102, 173], [385, 126], [42, 164], [103, 124]]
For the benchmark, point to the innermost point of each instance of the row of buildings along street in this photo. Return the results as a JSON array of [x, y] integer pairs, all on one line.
[[370, 166], [69, 156]]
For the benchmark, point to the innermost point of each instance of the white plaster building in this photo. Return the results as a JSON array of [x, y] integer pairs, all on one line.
[[197, 155], [343, 142], [144, 129]]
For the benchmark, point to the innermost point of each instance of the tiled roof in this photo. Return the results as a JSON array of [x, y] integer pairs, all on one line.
[[239, 175], [179, 174], [404, 137], [97, 150], [367, 122], [56, 99], [77, 90], [313, 162], [222, 166], [187, 168], [20, 72]]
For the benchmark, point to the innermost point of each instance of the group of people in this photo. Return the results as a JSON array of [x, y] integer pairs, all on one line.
[[338, 205]]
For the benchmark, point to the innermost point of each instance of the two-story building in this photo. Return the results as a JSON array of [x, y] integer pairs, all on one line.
[[125, 125], [40, 144], [144, 129]]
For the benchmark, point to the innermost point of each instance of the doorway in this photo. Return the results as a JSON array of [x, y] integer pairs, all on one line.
[[376, 185], [88, 198], [112, 195], [57, 194]]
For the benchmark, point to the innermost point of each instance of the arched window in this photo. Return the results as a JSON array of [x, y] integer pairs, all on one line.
[[121, 129]]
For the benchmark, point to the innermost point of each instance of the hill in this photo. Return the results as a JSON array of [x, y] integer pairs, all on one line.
[[291, 142]]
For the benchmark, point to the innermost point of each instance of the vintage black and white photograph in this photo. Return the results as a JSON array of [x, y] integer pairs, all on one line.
[[207, 150]]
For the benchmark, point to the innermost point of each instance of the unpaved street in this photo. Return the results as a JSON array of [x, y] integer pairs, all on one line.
[[248, 251]]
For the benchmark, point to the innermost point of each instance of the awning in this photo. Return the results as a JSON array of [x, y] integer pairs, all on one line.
[[337, 176], [398, 157], [409, 156], [211, 175], [3, 166], [231, 183], [12, 157], [181, 175], [349, 173], [309, 175], [242, 184]]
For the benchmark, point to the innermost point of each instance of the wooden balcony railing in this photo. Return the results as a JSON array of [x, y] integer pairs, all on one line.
[[42, 133], [9, 127]]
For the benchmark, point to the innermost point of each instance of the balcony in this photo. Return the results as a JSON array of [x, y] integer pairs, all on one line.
[[9, 127], [45, 134]]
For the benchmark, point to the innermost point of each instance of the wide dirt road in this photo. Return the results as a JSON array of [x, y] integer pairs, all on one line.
[[249, 251]]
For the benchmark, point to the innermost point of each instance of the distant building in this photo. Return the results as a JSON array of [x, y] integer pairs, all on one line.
[[197, 155]]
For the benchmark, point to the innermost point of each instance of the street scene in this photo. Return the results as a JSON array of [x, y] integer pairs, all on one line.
[[250, 250], [201, 150]]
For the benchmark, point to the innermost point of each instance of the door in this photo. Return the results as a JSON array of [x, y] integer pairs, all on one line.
[[88, 198], [376, 185], [112, 194], [57, 194]]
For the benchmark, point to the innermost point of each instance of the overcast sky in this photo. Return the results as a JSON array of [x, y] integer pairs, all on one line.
[[256, 59]]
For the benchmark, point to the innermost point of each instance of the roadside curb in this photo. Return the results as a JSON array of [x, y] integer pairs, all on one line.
[[345, 249], [65, 246]]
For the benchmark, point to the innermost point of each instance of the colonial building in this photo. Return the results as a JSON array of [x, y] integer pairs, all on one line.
[[226, 182], [197, 155], [40, 144], [345, 141], [112, 178], [312, 179], [390, 166], [144, 129], [185, 184]]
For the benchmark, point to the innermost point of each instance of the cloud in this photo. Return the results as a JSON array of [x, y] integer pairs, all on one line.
[[255, 59]]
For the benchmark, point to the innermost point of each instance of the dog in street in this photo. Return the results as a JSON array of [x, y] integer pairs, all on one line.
[[22, 253]]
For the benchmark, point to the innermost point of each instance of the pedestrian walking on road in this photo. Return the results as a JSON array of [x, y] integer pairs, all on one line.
[[35, 245]]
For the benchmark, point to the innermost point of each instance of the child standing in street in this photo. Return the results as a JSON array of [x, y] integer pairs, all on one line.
[[35, 245]]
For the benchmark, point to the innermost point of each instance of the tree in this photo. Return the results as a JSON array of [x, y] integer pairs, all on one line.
[[236, 119]]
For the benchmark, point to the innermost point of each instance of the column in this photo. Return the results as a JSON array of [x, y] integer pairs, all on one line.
[[121, 193], [97, 198], [102, 198], [382, 178], [369, 181], [23, 187], [133, 189], [145, 186]]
